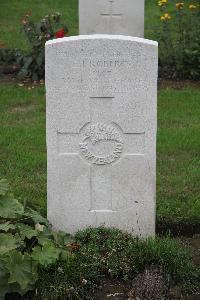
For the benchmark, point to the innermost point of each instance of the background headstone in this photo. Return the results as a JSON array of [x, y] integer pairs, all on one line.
[[124, 17], [101, 132]]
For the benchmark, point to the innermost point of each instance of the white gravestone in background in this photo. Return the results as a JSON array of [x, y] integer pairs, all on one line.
[[111, 17], [101, 132]]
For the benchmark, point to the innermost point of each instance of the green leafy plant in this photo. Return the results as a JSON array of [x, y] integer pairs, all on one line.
[[27, 243], [179, 39]]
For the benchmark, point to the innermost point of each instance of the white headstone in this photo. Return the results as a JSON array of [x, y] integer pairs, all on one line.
[[111, 17], [101, 132]]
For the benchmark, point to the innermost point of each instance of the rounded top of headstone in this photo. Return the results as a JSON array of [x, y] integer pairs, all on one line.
[[102, 36]]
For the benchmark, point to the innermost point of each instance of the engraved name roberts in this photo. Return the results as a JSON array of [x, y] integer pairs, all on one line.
[[97, 133], [104, 63]]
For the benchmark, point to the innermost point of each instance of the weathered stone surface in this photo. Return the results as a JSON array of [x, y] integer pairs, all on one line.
[[101, 132], [111, 17]]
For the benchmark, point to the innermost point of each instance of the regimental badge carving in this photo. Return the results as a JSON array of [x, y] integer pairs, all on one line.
[[101, 143]]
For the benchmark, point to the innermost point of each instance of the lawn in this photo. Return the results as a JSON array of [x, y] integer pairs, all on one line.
[[22, 142], [23, 152], [22, 119], [178, 150]]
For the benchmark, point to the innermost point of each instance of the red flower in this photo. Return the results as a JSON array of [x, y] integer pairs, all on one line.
[[60, 33]]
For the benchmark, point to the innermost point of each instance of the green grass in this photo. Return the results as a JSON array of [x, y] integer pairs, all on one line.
[[22, 142], [178, 173], [23, 151]]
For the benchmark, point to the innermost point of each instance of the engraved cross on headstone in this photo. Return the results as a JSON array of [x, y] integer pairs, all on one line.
[[110, 17], [127, 143]]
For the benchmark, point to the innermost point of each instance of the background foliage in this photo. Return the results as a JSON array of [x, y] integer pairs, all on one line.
[[175, 27], [179, 39]]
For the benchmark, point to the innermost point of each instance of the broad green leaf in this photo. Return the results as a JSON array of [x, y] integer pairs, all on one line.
[[5, 286], [10, 207], [4, 187], [7, 243], [6, 226], [36, 217], [45, 236], [26, 231], [21, 270], [43, 239], [45, 255]]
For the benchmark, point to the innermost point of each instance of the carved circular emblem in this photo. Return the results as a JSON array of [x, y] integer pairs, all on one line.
[[101, 143]]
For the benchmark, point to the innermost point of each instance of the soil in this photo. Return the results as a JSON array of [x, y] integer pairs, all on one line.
[[194, 245], [177, 229], [112, 289], [7, 79], [10, 78], [177, 84], [118, 290], [9, 69]]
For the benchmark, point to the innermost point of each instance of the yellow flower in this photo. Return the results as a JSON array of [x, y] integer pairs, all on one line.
[[162, 2], [192, 6], [179, 5], [165, 17]]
